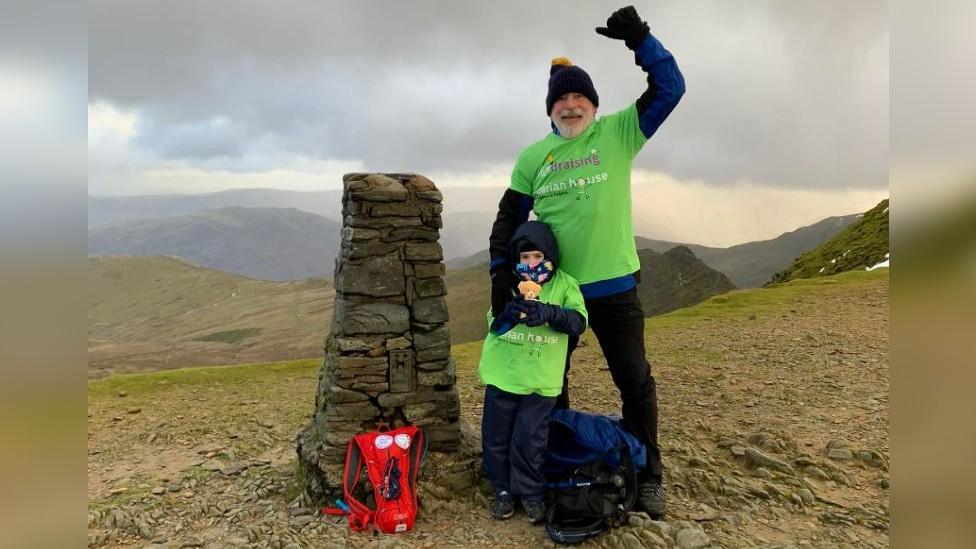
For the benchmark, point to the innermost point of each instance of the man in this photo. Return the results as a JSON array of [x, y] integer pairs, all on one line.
[[577, 180]]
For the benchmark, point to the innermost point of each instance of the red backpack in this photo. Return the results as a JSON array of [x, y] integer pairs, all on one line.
[[392, 460]]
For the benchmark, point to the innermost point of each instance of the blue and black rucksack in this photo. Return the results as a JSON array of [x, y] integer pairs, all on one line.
[[591, 472]]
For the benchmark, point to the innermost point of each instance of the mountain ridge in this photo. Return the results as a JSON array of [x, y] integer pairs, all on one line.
[[263, 243], [103, 210], [304, 244], [747, 265], [676, 279]]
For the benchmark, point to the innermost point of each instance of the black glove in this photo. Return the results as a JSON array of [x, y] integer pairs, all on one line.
[[509, 318], [537, 313], [503, 284], [626, 25]]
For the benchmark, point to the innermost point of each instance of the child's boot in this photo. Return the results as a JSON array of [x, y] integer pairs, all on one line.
[[535, 509], [502, 507]]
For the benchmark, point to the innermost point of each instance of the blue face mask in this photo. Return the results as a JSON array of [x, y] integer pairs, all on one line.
[[538, 273]]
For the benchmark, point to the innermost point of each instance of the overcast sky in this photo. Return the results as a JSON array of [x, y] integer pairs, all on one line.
[[196, 97]]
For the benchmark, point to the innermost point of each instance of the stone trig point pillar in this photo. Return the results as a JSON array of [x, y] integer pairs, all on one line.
[[387, 358]]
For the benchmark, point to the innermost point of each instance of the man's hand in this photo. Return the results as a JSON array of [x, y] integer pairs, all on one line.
[[625, 25], [537, 313], [503, 283]]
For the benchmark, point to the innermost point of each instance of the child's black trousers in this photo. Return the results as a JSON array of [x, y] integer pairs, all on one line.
[[514, 434]]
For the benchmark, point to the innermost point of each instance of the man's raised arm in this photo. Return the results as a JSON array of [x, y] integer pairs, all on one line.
[[665, 84]]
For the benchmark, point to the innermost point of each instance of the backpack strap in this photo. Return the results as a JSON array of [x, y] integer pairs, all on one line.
[[360, 516], [631, 478], [418, 449]]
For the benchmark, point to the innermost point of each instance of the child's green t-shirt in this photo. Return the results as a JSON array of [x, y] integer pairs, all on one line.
[[581, 188], [528, 360]]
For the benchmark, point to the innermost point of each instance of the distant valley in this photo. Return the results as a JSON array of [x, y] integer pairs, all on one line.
[[289, 235], [264, 243]]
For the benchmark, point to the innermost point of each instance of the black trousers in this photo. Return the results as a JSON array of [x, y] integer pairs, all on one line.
[[618, 322], [514, 434]]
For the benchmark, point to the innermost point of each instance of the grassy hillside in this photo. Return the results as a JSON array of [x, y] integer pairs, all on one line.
[[860, 245], [801, 296], [477, 259], [148, 313], [266, 243], [162, 312], [773, 413], [468, 300]]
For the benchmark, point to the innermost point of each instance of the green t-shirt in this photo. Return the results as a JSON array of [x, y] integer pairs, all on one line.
[[528, 360], [581, 188]]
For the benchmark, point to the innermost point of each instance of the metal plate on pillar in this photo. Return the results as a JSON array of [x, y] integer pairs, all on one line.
[[402, 376]]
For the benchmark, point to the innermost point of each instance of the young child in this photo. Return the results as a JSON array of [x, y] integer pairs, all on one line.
[[522, 363]]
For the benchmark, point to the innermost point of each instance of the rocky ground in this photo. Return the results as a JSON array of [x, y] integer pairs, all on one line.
[[774, 431]]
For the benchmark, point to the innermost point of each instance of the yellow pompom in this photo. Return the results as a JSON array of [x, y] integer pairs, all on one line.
[[562, 61]]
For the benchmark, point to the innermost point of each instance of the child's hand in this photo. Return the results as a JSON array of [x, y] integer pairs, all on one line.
[[514, 307], [509, 318], [538, 313], [519, 306]]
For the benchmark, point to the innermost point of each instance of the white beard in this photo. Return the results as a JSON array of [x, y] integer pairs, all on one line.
[[569, 131]]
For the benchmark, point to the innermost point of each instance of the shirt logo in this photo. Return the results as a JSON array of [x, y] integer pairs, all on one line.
[[551, 166], [574, 186]]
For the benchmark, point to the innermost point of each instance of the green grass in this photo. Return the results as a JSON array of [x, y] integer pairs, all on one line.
[[760, 301], [466, 355], [231, 336], [136, 487], [296, 483], [251, 374]]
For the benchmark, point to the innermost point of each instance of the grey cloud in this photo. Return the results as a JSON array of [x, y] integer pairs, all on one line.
[[198, 140], [788, 94]]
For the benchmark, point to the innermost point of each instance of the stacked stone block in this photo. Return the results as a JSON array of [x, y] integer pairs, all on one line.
[[388, 354]]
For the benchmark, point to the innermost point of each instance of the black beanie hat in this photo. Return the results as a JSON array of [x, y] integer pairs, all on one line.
[[564, 77]]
